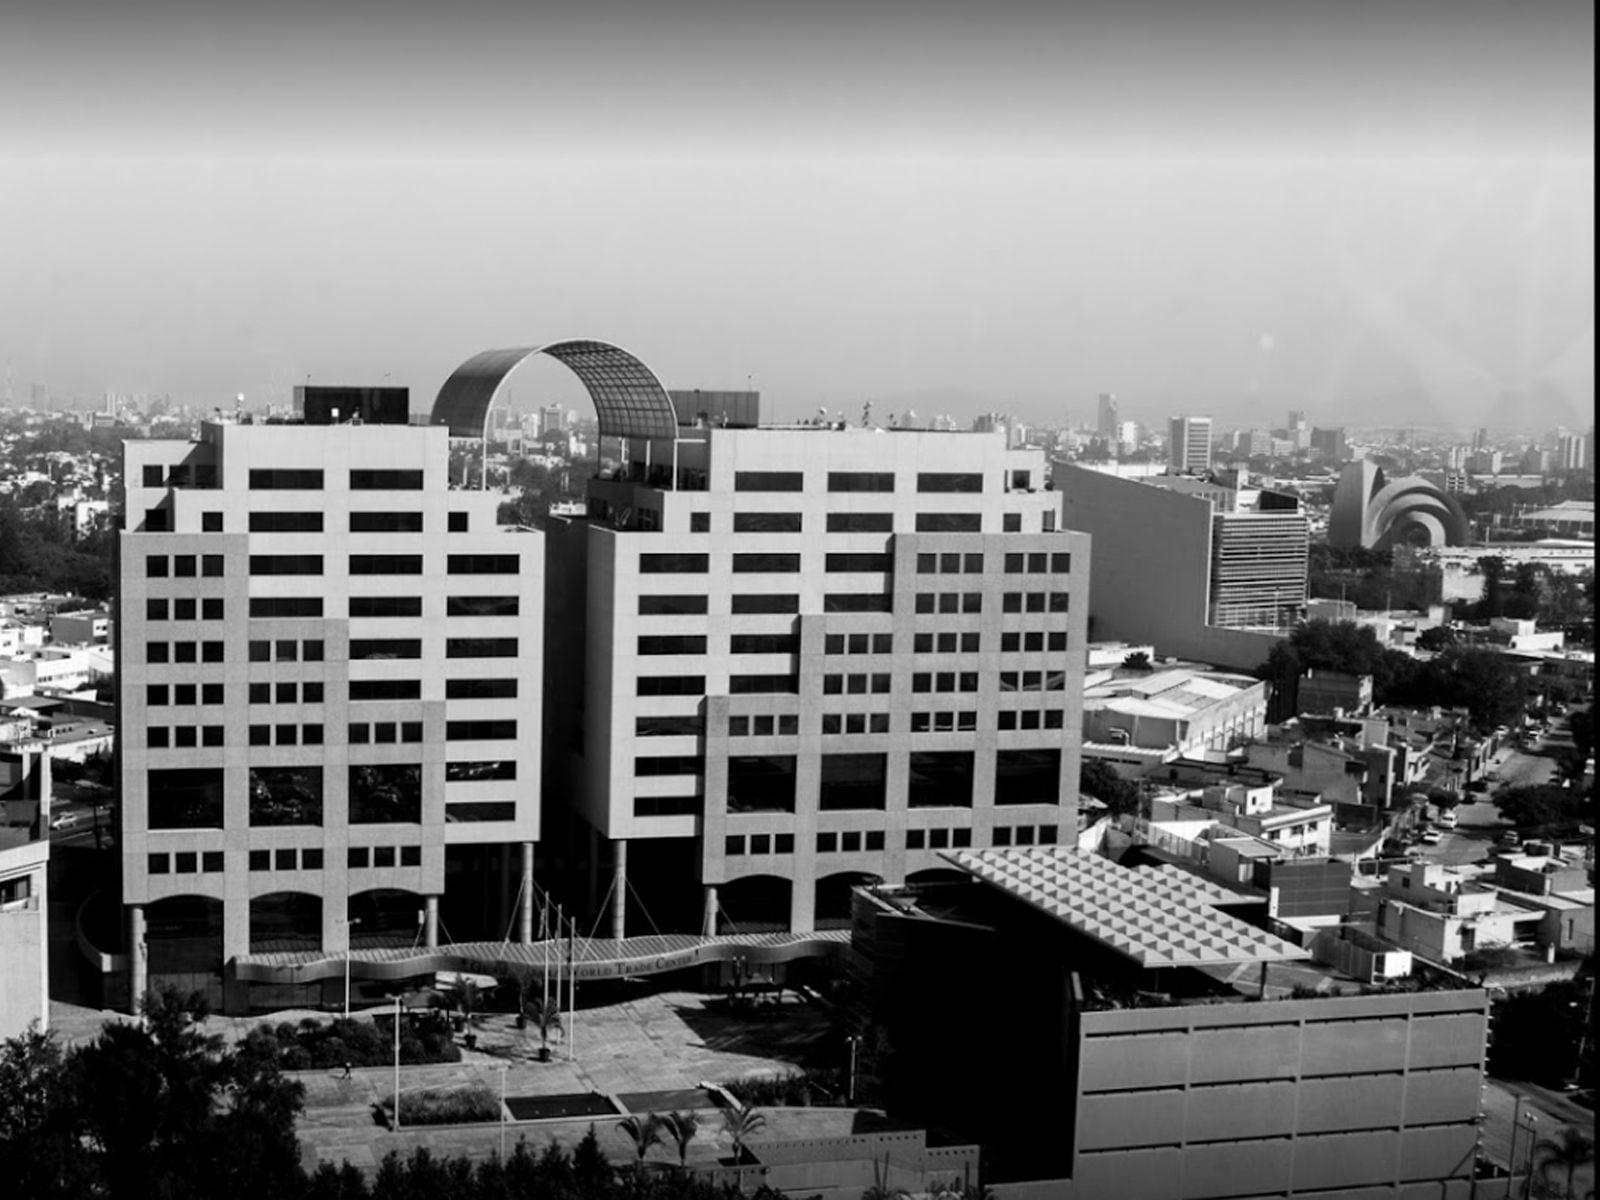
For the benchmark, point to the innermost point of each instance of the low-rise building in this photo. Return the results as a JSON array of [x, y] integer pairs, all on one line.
[[1181, 711], [24, 870]]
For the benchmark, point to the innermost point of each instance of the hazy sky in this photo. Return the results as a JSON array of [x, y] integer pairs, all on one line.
[[1363, 209]]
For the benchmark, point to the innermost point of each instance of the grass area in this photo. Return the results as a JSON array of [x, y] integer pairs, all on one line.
[[463, 1105]]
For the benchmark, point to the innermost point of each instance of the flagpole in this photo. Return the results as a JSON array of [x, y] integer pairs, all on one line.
[[572, 986]]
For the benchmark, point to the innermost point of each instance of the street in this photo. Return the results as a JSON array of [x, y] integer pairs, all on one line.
[[1539, 1114]]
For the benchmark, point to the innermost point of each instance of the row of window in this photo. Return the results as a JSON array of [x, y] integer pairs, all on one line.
[[285, 607], [370, 564], [782, 725], [182, 566], [855, 841], [859, 481], [161, 737], [874, 683], [158, 653], [312, 691], [183, 608], [854, 723], [1036, 563], [307, 479], [859, 643], [1027, 718], [760, 604]]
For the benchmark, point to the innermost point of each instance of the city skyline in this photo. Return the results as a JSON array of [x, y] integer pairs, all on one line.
[[956, 215]]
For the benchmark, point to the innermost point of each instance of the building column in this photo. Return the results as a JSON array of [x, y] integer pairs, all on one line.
[[708, 922], [430, 921], [525, 917], [138, 958], [619, 889], [803, 904]]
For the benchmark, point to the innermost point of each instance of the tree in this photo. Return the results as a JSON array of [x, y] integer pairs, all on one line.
[[1137, 661], [644, 1131], [39, 1126], [1098, 779], [546, 1018], [681, 1127], [1564, 1151], [1440, 637], [739, 1124], [468, 1000]]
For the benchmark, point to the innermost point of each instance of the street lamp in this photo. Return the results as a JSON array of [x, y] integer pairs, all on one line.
[[396, 1060], [349, 924], [505, 1065]]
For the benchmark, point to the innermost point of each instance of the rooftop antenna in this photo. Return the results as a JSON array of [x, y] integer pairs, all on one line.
[[866, 414]]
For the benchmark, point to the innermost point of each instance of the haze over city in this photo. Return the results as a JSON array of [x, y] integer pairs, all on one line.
[[1380, 215]]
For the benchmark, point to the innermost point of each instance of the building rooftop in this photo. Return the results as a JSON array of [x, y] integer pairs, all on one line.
[[1155, 918]]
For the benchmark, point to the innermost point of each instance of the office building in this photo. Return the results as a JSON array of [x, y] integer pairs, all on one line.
[[1572, 453], [1173, 1048], [330, 687], [784, 660], [1107, 425], [1329, 444], [1259, 564], [1188, 445]]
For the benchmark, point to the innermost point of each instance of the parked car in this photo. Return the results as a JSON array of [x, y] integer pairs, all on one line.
[[1430, 837], [1447, 819], [65, 820], [1510, 839]]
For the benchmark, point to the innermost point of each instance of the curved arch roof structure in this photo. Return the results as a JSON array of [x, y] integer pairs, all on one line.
[[1411, 504], [628, 398]]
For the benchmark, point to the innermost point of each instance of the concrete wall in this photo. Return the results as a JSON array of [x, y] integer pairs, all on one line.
[[24, 939]]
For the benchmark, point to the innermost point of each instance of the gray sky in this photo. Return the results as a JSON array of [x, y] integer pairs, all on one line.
[[1367, 210]]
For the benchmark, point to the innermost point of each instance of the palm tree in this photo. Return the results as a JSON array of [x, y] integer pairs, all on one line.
[[645, 1132], [739, 1124], [468, 1001], [681, 1128], [1570, 1148], [546, 1018]]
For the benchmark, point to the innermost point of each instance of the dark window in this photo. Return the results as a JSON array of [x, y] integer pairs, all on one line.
[[211, 565], [158, 520], [211, 608], [185, 798], [1035, 602], [861, 481], [184, 565], [183, 693], [211, 693], [156, 652], [385, 794], [155, 609], [860, 522], [1027, 777], [857, 602], [410, 856], [1015, 563], [672, 606], [286, 522], [1038, 564], [385, 481], [1061, 563], [466, 772], [311, 860], [700, 522], [1010, 523], [674, 564], [915, 839], [267, 607], [385, 522], [769, 481], [285, 479], [860, 562], [479, 648], [385, 606], [285, 795], [944, 481], [480, 606], [158, 864], [1059, 602], [386, 564], [211, 735], [480, 689], [384, 648], [154, 475], [482, 564], [749, 564], [691, 643], [761, 783], [827, 843], [1011, 602], [853, 781], [667, 806], [1002, 835], [949, 523], [286, 564], [158, 737], [670, 726], [672, 685], [763, 604], [383, 856], [286, 651], [185, 862], [311, 735], [155, 694], [733, 845], [457, 522], [312, 650], [764, 643], [155, 566], [759, 522], [385, 689], [480, 730], [762, 685], [183, 652], [680, 764], [261, 860], [211, 652]]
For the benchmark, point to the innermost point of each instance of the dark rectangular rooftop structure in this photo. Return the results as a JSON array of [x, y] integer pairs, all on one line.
[[320, 404]]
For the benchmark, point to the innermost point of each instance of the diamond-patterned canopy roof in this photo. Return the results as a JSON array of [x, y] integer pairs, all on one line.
[[1155, 918]]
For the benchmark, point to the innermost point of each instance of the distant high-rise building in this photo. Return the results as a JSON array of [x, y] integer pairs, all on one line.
[[1572, 452], [1330, 444], [1480, 439], [1107, 424], [552, 419], [1297, 420], [1188, 444]]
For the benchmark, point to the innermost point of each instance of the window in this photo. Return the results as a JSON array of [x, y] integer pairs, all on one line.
[[1061, 563], [1035, 602], [827, 843], [764, 643], [769, 481], [480, 730], [674, 564], [386, 564], [358, 857], [678, 764], [672, 685], [482, 564], [285, 479], [311, 860], [762, 685], [158, 737], [654, 644], [850, 841], [286, 564], [286, 650], [385, 606], [384, 648], [700, 522], [158, 520], [211, 652], [261, 860], [481, 606], [211, 735], [672, 606], [1027, 776], [948, 482], [480, 689], [750, 564], [383, 856], [761, 783], [856, 602], [1059, 602], [1002, 835], [211, 608], [155, 609], [211, 693], [861, 481], [860, 522], [927, 602], [155, 566], [285, 796], [311, 735], [184, 566], [916, 839], [1010, 523], [286, 522], [949, 523], [689, 726], [860, 562], [1015, 563], [733, 845], [385, 794], [1011, 602], [156, 652], [185, 798], [765, 604], [385, 522], [385, 481], [269, 607], [384, 689], [479, 648], [457, 522], [759, 522], [853, 782]]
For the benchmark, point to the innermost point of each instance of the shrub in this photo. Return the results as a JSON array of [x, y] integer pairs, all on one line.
[[447, 1106], [361, 1043]]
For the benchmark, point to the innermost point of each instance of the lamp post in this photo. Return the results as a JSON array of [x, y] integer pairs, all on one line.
[[349, 924], [1527, 1180], [505, 1066], [397, 1062], [850, 1094]]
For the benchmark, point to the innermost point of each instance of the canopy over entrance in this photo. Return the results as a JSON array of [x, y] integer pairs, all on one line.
[[628, 398]]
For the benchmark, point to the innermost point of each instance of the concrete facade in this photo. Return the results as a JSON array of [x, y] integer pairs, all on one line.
[[24, 879]]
